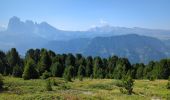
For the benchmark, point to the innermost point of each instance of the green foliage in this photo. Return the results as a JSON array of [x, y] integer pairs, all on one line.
[[81, 71], [48, 85], [139, 72], [1, 82], [13, 59], [152, 78], [122, 67], [168, 84], [89, 66], [17, 71], [98, 71], [46, 75], [29, 71], [45, 62], [68, 73], [56, 69], [127, 83], [112, 67]]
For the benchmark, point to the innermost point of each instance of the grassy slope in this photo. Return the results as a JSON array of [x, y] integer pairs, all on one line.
[[99, 89]]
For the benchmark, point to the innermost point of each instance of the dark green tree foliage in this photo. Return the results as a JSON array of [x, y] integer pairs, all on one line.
[[168, 84], [81, 71], [139, 71], [111, 66], [98, 70], [89, 66], [45, 62], [58, 64], [1, 82], [17, 71], [68, 73], [148, 71], [46, 75], [29, 71], [13, 59], [33, 54], [164, 68], [70, 61], [122, 67], [3, 63], [57, 69], [128, 83]]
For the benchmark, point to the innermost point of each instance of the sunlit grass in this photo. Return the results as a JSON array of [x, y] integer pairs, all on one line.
[[90, 89]]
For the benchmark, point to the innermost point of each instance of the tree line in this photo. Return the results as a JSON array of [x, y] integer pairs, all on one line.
[[43, 63]]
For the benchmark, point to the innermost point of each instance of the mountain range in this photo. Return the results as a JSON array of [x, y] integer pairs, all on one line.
[[137, 44]]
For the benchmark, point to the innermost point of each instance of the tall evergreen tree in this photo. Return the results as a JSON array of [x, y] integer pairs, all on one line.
[[17, 71], [57, 69], [13, 59], [44, 63], [68, 73], [29, 71], [89, 66], [98, 71]]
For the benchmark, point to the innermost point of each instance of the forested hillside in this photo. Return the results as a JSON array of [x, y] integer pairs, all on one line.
[[45, 63]]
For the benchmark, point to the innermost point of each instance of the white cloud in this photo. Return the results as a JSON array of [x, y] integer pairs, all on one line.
[[101, 23]]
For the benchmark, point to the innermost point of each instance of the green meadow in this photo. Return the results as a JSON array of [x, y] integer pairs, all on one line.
[[88, 89]]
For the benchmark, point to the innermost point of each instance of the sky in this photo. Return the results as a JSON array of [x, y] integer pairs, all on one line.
[[84, 14]]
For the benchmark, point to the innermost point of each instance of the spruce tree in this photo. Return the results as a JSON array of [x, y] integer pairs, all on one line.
[[128, 83], [29, 71], [68, 73], [81, 72], [17, 71]]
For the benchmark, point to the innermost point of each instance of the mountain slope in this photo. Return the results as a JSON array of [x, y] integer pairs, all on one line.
[[135, 47]]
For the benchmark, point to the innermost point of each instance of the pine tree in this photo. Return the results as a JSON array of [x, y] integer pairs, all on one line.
[[56, 69], [68, 73], [29, 71], [13, 59], [128, 83], [81, 72], [89, 66], [17, 71], [45, 62]]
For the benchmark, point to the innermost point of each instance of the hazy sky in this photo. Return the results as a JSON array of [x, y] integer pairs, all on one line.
[[83, 14]]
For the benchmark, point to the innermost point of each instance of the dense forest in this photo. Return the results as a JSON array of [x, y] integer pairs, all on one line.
[[46, 63]]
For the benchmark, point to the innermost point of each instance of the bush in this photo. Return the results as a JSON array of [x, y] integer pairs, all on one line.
[[128, 83], [152, 78], [80, 78], [68, 73], [168, 84], [45, 75], [1, 82], [48, 85], [65, 87]]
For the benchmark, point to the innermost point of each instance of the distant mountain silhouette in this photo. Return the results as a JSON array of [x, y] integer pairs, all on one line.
[[97, 41]]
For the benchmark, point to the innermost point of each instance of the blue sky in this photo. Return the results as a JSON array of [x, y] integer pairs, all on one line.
[[83, 14]]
